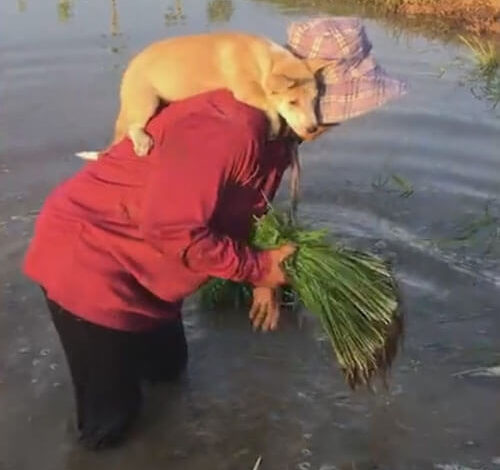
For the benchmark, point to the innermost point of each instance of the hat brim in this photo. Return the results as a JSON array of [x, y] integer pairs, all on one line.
[[351, 97]]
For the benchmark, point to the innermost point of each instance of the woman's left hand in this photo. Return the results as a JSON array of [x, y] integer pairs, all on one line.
[[265, 312]]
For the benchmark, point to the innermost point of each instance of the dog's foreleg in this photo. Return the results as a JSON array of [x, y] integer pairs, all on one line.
[[139, 102], [141, 140]]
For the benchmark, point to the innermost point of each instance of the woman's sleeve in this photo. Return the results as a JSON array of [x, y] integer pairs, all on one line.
[[194, 165]]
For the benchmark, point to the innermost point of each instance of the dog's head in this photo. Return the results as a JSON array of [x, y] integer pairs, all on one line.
[[292, 88]]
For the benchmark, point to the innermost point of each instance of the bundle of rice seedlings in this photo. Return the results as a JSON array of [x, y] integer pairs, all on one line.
[[352, 293], [222, 293]]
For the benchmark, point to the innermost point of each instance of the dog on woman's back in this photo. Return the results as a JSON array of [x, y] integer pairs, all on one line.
[[259, 73]]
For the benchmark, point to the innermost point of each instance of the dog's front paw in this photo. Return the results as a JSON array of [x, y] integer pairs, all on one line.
[[141, 141], [142, 144]]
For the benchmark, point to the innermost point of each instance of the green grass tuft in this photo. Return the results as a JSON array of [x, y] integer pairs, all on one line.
[[484, 53]]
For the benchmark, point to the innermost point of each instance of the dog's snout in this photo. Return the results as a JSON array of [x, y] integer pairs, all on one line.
[[312, 129]]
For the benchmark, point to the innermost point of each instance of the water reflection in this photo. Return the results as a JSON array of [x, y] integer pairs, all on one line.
[[483, 87], [64, 10], [175, 13], [115, 22], [21, 5], [220, 11], [117, 39]]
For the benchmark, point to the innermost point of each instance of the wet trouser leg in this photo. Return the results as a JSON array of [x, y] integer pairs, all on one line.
[[107, 367]]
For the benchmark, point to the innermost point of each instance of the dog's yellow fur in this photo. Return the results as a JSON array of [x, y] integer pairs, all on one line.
[[259, 72]]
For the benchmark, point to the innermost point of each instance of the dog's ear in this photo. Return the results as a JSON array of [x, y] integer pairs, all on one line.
[[315, 65], [278, 83]]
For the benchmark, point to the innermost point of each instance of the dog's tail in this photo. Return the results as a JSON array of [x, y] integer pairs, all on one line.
[[87, 155]]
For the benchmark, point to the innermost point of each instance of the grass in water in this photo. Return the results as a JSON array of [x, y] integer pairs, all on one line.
[[484, 53], [484, 80], [394, 182], [481, 231], [473, 228], [352, 294], [488, 90]]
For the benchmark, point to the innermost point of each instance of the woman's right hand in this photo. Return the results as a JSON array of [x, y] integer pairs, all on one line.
[[276, 277], [265, 309]]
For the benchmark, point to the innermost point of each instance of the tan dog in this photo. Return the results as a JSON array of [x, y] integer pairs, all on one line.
[[259, 72]]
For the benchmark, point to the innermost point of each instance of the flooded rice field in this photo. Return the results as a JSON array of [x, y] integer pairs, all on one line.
[[417, 181]]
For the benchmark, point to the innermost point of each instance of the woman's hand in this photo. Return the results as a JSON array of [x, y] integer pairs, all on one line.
[[265, 312], [275, 277]]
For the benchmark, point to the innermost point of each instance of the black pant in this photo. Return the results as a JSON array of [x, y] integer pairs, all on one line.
[[107, 367]]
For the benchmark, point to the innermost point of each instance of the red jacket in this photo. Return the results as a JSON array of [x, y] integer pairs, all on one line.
[[123, 241]]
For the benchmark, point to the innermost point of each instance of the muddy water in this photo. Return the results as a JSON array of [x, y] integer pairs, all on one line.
[[278, 396]]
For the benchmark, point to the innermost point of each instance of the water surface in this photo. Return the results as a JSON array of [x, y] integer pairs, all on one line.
[[279, 395]]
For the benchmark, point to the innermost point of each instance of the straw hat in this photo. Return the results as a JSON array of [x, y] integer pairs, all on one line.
[[353, 84]]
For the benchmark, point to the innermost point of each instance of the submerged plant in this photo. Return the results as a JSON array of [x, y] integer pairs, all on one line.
[[482, 230], [394, 182], [405, 186], [352, 293], [488, 90], [472, 228]]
